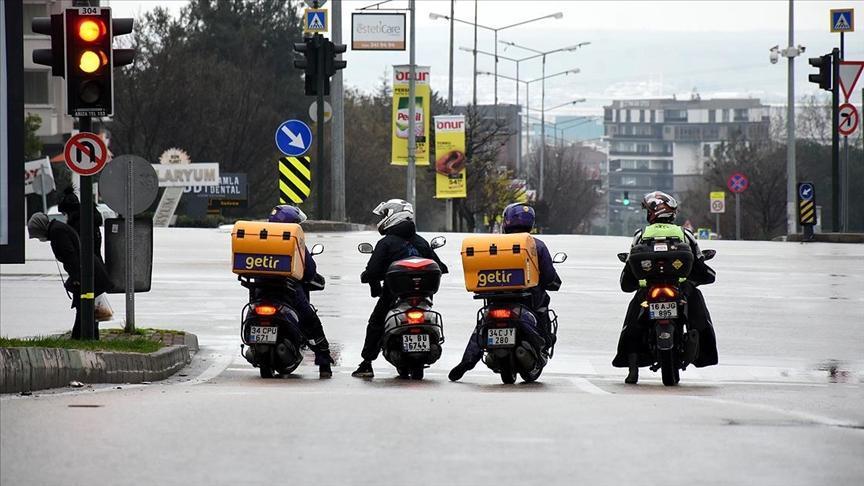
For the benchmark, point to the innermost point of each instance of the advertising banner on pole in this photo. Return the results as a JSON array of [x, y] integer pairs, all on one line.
[[399, 150], [450, 175]]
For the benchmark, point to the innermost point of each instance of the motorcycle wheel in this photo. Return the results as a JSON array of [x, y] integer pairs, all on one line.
[[417, 373], [669, 368], [508, 373], [266, 371], [404, 373], [531, 376]]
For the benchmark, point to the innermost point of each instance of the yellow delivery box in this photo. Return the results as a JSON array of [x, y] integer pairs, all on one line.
[[500, 262], [261, 248]]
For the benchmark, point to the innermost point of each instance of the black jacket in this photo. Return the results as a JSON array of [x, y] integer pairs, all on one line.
[[701, 274], [400, 241], [74, 220], [67, 249]]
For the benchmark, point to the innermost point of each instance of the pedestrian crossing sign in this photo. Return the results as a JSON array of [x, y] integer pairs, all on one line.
[[843, 20], [315, 20]]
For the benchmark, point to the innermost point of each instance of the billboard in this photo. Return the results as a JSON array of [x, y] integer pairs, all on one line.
[[378, 31], [400, 120], [450, 174]]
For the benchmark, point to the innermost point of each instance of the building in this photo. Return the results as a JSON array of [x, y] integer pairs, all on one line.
[[44, 95], [663, 144]]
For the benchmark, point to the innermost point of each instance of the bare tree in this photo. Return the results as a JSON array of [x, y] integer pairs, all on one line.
[[570, 193]]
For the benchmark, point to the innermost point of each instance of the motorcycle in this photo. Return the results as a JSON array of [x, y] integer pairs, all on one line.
[[663, 265], [270, 331], [507, 333], [413, 332]]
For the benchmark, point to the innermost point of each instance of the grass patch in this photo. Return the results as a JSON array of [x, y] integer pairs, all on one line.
[[133, 345]]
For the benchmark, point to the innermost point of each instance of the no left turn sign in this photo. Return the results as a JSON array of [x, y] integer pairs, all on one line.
[[85, 153], [848, 122]]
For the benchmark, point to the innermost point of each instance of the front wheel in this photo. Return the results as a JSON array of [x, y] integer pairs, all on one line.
[[669, 368], [417, 373], [508, 372]]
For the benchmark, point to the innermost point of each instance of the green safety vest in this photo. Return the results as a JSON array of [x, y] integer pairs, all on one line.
[[662, 230]]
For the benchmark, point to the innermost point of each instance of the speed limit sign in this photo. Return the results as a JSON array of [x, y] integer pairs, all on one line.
[[718, 202]]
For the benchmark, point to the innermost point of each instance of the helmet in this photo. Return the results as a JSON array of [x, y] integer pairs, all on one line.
[[393, 212], [518, 218], [69, 201], [286, 213], [661, 207]]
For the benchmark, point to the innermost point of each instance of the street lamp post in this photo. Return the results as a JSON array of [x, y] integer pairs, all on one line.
[[543, 55], [495, 30]]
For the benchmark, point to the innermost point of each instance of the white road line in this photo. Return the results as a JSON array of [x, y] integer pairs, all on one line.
[[221, 360], [809, 417], [587, 387]]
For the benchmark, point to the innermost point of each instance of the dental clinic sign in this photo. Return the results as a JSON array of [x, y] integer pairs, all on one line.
[[185, 175], [378, 31]]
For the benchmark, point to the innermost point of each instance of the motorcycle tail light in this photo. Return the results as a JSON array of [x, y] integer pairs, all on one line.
[[265, 310], [414, 330], [416, 317], [663, 291], [501, 313]]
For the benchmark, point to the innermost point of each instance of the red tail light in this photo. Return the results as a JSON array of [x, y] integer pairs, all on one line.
[[265, 310], [663, 291], [416, 317], [501, 313]]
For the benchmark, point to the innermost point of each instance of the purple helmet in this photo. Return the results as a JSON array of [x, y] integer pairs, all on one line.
[[518, 218], [285, 213]]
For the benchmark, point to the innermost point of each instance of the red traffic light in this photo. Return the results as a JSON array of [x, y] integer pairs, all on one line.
[[91, 30]]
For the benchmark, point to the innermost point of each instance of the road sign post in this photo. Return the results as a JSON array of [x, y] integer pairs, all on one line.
[[807, 208], [738, 183], [718, 206]]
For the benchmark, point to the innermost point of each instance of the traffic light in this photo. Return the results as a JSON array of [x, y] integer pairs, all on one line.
[[331, 64], [90, 59], [309, 63], [626, 200], [53, 57], [823, 79]]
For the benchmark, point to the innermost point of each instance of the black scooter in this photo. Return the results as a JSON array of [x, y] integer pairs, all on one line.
[[413, 332]]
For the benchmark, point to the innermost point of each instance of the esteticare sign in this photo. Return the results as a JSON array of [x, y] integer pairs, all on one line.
[[378, 31]]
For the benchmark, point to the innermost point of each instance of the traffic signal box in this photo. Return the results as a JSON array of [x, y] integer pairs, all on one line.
[[81, 51], [500, 262], [319, 62], [823, 78]]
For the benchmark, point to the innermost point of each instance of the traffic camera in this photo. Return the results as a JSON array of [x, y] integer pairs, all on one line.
[[823, 79]]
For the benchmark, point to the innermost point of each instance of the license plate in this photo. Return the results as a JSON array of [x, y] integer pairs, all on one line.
[[662, 310], [501, 337], [263, 334], [415, 343], [661, 247]]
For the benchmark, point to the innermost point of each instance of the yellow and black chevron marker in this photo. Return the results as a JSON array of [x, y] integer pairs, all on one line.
[[295, 179], [806, 203]]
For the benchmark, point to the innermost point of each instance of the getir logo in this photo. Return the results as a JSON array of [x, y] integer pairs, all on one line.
[[501, 278], [262, 263]]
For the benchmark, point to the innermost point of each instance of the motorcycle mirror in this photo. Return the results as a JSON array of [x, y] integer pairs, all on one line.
[[559, 257], [623, 257], [317, 249], [438, 242], [709, 254], [365, 248]]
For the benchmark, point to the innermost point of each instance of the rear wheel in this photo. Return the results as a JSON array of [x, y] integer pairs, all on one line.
[[669, 368], [508, 372], [266, 371], [417, 373], [404, 373]]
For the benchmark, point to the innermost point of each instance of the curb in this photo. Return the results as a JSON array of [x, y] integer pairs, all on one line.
[[321, 226], [30, 369], [831, 237]]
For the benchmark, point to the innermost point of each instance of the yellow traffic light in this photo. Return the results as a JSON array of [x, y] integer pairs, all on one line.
[[90, 62], [90, 30]]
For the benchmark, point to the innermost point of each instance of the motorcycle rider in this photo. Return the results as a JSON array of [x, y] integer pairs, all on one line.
[[400, 240], [308, 319], [519, 218], [661, 209]]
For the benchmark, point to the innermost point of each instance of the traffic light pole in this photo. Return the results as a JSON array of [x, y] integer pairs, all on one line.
[[319, 126], [87, 296], [835, 141]]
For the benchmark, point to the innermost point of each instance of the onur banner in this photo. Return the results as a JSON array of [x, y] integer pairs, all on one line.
[[450, 175], [400, 115]]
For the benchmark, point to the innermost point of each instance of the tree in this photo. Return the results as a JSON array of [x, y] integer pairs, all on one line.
[[570, 197], [32, 144]]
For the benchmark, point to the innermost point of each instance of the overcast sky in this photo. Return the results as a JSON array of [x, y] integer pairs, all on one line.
[[638, 49]]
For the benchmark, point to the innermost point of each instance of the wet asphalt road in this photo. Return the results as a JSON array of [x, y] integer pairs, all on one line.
[[770, 413]]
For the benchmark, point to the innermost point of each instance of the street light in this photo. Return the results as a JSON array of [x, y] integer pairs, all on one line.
[[543, 55], [495, 30], [528, 94]]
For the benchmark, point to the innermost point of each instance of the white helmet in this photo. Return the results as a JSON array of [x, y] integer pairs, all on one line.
[[393, 212]]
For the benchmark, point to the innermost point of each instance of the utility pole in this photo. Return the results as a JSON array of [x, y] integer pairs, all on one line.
[[411, 190], [450, 203], [791, 171], [337, 129], [542, 128], [835, 141], [322, 81]]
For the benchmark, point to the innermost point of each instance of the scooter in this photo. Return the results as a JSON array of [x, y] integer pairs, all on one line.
[[507, 333], [270, 330], [413, 332], [663, 265]]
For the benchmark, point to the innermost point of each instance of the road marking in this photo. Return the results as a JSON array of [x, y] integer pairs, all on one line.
[[809, 417], [221, 360], [587, 386]]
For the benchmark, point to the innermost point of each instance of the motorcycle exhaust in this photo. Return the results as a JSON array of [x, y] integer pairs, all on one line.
[[249, 354], [665, 336], [525, 358]]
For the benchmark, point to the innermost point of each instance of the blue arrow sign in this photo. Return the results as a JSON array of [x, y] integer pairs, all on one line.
[[293, 138], [805, 191]]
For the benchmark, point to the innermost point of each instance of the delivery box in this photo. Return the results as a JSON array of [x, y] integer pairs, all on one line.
[[500, 262], [268, 249]]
